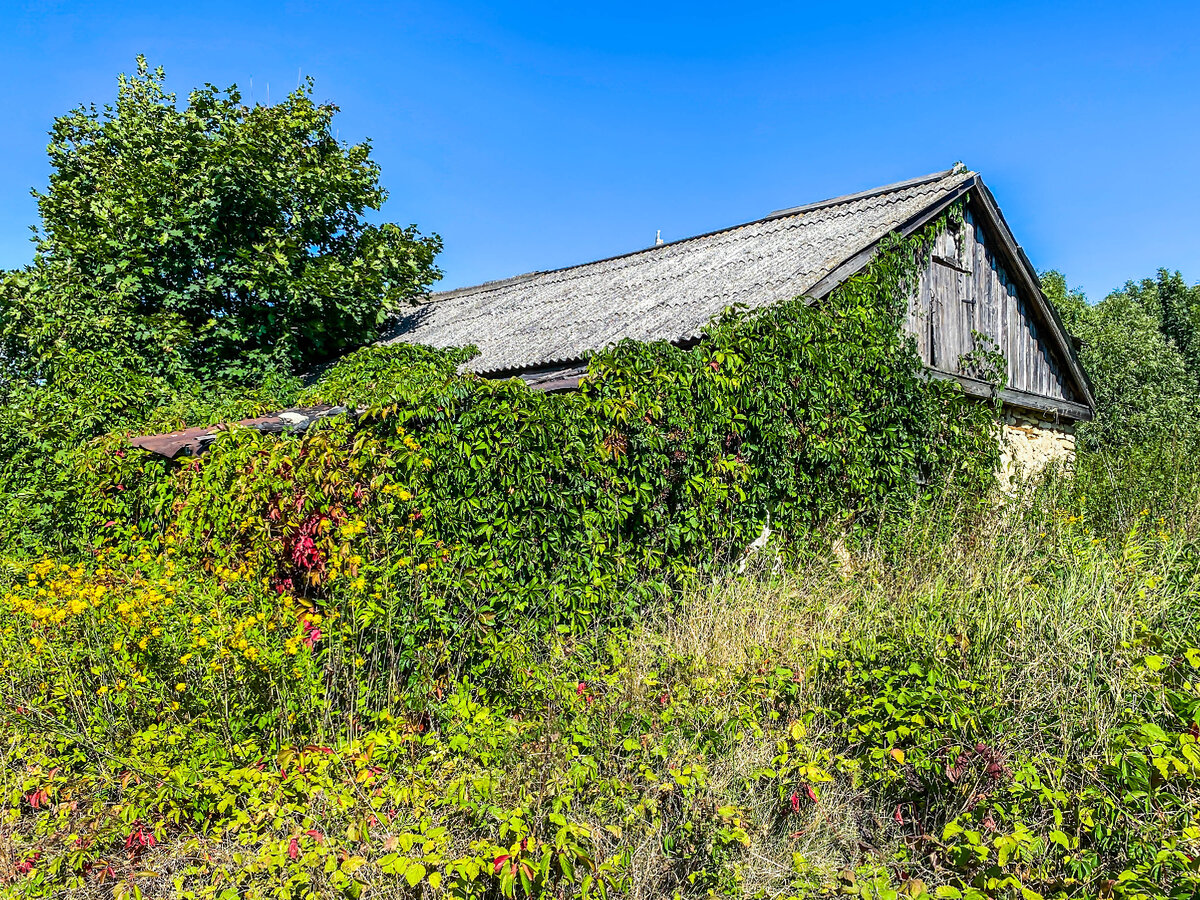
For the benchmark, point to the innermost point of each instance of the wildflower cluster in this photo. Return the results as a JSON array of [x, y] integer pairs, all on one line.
[[150, 641]]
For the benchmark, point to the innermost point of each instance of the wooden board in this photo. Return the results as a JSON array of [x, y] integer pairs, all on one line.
[[965, 289]]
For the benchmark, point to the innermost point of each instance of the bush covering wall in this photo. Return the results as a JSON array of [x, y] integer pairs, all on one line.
[[454, 501], [232, 648]]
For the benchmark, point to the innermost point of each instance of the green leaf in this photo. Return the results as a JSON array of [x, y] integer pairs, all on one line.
[[414, 873], [1153, 732]]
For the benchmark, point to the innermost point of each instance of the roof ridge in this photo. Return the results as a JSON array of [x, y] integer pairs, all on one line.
[[778, 214], [867, 194]]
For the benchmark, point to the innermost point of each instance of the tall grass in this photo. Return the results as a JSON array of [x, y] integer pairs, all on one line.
[[1048, 599], [967, 695]]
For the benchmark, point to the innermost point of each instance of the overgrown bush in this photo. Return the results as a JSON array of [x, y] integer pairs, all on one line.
[[190, 257], [454, 503], [45, 426], [479, 641]]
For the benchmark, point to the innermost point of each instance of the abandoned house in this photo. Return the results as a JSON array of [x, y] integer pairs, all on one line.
[[539, 326]]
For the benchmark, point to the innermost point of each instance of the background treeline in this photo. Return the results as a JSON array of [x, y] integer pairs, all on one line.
[[483, 642], [1141, 348]]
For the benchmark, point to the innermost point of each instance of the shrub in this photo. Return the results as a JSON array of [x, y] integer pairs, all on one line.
[[306, 664], [46, 425], [455, 503], [921, 728]]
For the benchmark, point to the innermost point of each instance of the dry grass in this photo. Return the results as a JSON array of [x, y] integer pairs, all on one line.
[[1041, 611]]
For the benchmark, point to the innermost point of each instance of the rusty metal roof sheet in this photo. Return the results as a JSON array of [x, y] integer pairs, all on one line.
[[193, 441]]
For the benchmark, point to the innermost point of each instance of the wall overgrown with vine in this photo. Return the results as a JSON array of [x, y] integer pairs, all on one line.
[[456, 503], [393, 656]]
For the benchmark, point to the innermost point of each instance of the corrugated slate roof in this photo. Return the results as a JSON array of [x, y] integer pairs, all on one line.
[[669, 292]]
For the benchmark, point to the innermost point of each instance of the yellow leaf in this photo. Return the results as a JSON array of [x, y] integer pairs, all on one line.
[[897, 755], [414, 873]]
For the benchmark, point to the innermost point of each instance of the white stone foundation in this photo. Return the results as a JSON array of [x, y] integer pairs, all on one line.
[[1029, 443]]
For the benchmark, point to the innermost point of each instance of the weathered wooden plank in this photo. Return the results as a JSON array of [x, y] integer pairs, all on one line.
[[983, 312], [999, 312], [943, 331], [995, 308], [1017, 335], [968, 290], [1022, 380], [1027, 343], [985, 207], [1012, 322], [957, 318], [1023, 399], [1039, 361], [971, 304], [1014, 333], [937, 330], [925, 325]]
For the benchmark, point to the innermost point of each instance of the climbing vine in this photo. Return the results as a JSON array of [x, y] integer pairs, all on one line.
[[481, 501]]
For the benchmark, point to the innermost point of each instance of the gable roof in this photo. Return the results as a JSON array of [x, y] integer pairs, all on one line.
[[668, 292], [549, 320]]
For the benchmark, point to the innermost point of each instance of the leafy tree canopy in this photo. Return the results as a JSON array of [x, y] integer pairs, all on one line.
[[212, 238], [1135, 356], [1175, 306]]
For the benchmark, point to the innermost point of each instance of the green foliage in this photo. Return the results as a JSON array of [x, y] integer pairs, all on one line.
[[1176, 307], [1145, 390], [920, 728], [189, 257], [216, 239], [1117, 486], [455, 502], [302, 665], [46, 425], [481, 641]]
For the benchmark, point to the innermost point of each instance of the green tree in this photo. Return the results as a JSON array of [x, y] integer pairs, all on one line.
[[1071, 303], [1175, 306], [190, 257], [212, 238], [1144, 389]]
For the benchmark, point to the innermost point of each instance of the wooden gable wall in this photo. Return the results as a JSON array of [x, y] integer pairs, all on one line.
[[966, 288]]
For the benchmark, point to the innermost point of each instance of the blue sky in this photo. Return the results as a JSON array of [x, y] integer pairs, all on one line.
[[537, 135]]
